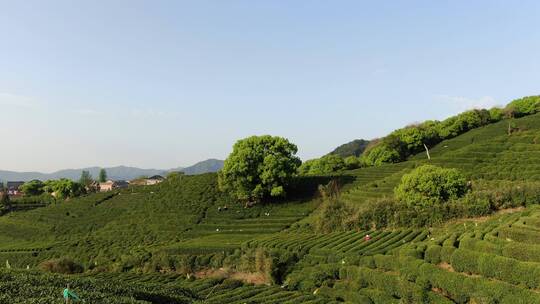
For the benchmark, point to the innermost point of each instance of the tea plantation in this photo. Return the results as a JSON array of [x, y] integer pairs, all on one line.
[[152, 244]]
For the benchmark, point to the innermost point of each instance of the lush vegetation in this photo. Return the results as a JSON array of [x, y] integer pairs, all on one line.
[[259, 167], [460, 227], [403, 143], [430, 185]]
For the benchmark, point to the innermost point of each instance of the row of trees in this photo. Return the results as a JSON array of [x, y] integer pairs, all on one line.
[[329, 164], [63, 188], [402, 143], [262, 166]]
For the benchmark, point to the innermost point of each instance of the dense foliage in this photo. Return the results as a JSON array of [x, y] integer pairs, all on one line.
[[315, 249], [325, 165], [63, 188], [430, 185], [402, 143], [32, 188], [524, 106], [258, 167]]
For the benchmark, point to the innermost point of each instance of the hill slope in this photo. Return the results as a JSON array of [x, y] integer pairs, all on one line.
[[353, 148], [182, 226], [487, 153]]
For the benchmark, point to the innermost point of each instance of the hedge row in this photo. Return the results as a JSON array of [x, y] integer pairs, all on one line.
[[519, 234], [391, 284], [516, 250], [498, 267], [460, 288]]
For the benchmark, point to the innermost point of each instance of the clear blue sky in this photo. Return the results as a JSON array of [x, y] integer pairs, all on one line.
[[167, 83]]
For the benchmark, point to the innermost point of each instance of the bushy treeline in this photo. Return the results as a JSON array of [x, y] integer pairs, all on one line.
[[402, 143], [60, 188], [485, 198], [329, 164], [426, 197]]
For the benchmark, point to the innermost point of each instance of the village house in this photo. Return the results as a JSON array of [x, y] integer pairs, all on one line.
[[156, 179], [146, 181], [13, 188], [111, 185]]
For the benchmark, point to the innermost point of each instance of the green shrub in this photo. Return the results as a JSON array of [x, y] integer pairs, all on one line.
[[446, 253], [433, 254], [493, 266], [258, 167], [328, 164], [522, 251], [430, 185]]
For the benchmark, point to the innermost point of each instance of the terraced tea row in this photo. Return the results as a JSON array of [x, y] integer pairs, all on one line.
[[33, 287], [352, 242], [466, 262]]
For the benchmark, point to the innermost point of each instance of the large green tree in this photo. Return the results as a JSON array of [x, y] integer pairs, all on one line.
[[259, 166], [327, 164]]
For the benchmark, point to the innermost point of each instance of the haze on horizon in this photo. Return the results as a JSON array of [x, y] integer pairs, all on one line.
[[163, 84]]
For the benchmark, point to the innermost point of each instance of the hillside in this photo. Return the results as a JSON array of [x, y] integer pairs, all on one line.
[[486, 153], [181, 227], [353, 148]]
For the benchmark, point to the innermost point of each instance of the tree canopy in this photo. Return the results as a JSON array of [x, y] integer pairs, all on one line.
[[524, 106], [63, 188], [259, 166], [325, 165], [31, 188], [428, 185]]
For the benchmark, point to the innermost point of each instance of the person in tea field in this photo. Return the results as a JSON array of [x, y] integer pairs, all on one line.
[[70, 296]]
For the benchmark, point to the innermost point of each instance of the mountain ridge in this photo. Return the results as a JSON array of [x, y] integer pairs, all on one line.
[[116, 173]]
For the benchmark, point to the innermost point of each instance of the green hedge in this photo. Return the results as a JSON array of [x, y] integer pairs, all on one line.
[[498, 267], [433, 254], [517, 250], [460, 288], [520, 234]]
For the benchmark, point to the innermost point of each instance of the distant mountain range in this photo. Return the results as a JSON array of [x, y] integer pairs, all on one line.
[[115, 173]]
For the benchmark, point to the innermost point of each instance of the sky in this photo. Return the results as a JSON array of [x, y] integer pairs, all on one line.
[[162, 84]]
